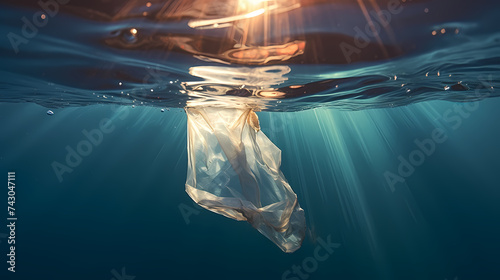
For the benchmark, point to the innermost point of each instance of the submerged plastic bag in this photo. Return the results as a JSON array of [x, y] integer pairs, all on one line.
[[233, 170]]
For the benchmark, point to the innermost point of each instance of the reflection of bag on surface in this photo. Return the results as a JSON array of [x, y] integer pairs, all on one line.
[[233, 170]]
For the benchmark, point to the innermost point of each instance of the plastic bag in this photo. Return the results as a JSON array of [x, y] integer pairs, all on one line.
[[233, 170]]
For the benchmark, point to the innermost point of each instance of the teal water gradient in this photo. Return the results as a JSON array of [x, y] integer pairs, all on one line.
[[120, 206]]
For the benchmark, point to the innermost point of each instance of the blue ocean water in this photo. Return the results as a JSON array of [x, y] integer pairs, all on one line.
[[392, 150]]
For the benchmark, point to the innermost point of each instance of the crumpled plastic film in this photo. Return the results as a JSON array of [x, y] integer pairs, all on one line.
[[233, 170]]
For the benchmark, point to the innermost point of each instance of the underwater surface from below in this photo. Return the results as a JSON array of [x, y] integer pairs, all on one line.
[[388, 137]]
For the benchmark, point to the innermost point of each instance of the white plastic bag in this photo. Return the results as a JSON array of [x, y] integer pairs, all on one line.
[[233, 170]]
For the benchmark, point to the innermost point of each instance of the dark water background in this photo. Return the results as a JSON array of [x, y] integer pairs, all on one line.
[[120, 207]]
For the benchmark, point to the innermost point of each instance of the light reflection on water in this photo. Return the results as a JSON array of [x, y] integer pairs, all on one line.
[[281, 55]]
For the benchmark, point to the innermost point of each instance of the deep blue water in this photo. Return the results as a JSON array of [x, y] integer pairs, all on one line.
[[120, 206], [123, 206]]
